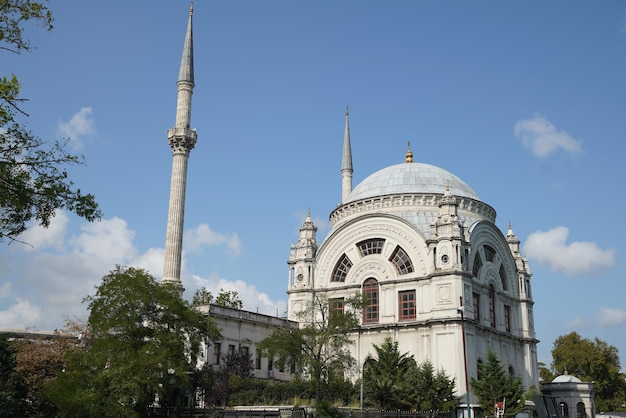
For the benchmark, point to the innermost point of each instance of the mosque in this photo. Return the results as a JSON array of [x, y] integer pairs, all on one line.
[[441, 279]]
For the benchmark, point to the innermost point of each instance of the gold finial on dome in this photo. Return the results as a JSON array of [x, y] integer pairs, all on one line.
[[409, 154]]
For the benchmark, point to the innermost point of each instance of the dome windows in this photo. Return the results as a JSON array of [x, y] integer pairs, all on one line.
[[371, 246], [401, 261], [341, 269]]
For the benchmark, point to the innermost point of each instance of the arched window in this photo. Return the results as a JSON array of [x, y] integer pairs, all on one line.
[[341, 269], [492, 306], [511, 371], [401, 261], [371, 246], [490, 253], [503, 277], [479, 369], [370, 291], [580, 410], [564, 411], [478, 263]]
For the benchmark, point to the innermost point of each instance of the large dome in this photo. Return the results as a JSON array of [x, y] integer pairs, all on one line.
[[407, 178]]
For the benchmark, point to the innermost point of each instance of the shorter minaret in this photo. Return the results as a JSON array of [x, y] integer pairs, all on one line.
[[302, 256], [181, 139], [346, 162]]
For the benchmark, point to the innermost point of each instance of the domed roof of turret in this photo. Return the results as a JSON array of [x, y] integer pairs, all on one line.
[[566, 378], [409, 177]]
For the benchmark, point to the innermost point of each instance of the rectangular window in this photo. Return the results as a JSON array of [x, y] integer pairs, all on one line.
[[216, 353], [257, 362], [370, 291], [231, 349], [406, 301], [507, 317], [270, 364], [335, 307], [476, 298]]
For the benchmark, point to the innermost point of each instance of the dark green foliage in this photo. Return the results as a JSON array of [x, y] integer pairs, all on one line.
[[144, 345], [33, 173], [235, 367], [385, 376], [495, 385], [13, 390], [592, 361], [395, 381]]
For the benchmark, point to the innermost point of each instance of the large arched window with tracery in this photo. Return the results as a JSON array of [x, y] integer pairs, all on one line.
[[341, 269], [370, 291]]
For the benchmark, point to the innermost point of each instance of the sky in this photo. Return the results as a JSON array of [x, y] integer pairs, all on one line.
[[524, 101]]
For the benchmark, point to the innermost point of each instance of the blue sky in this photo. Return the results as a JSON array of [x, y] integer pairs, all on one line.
[[525, 101]]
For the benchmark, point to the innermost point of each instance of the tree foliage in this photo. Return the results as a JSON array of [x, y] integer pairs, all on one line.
[[395, 381], [322, 341], [34, 181], [235, 367], [494, 385], [592, 361], [144, 345], [227, 298], [13, 390]]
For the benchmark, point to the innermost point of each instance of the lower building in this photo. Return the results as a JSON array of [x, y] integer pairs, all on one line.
[[243, 331]]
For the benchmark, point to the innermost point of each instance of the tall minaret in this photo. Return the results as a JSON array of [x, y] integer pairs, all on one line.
[[346, 162], [182, 140]]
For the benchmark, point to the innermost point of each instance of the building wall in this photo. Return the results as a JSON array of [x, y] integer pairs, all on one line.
[[245, 330]]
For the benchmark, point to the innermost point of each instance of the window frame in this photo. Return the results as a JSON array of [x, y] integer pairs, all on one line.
[[407, 306], [370, 290]]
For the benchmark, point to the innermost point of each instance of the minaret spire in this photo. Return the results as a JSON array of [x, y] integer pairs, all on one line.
[[346, 162], [181, 139]]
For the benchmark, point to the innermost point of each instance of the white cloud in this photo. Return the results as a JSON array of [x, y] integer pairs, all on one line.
[[609, 317], [38, 237], [573, 259], [79, 126], [579, 323], [47, 284], [202, 235], [253, 300], [543, 138], [22, 314]]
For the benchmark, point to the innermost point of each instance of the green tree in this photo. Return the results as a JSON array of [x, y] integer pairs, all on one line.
[[13, 389], [592, 361], [229, 298], [144, 345], [33, 173], [432, 390], [385, 377], [202, 297], [496, 385], [322, 341], [395, 381], [235, 367]]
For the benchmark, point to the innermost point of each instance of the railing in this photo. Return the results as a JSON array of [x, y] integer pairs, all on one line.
[[281, 412]]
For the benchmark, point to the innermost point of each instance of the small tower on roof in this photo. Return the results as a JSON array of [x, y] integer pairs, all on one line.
[[181, 139]]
